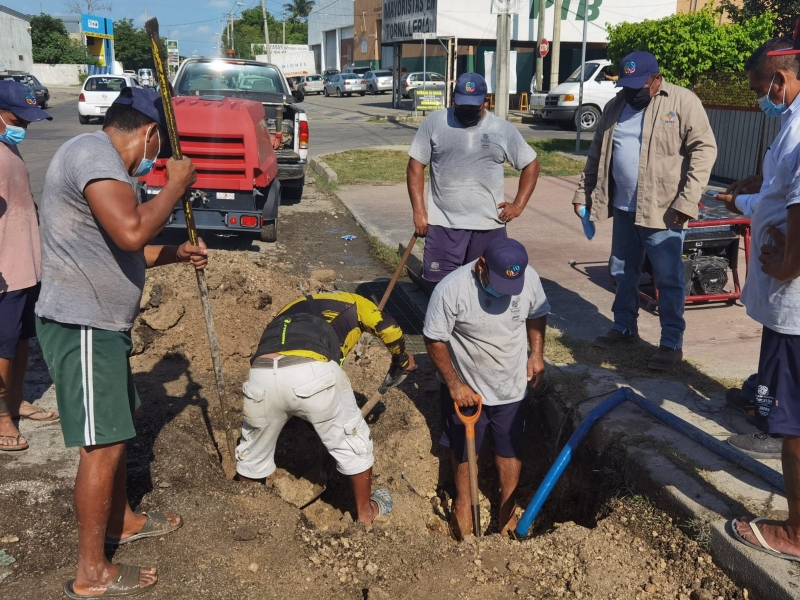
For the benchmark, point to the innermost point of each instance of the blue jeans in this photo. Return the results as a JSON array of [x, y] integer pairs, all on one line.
[[630, 244]]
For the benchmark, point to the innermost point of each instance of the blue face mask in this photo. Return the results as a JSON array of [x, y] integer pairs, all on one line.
[[768, 106], [147, 165], [13, 135], [489, 289]]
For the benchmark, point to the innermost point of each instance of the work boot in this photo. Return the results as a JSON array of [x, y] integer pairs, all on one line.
[[665, 358], [758, 445], [614, 338], [739, 401]]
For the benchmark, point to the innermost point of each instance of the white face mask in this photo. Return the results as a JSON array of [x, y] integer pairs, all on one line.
[[147, 165]]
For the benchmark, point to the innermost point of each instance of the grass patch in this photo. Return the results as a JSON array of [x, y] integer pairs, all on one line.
[[552, 160], [385, 254]]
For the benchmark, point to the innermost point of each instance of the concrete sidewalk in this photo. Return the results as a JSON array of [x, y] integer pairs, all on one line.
[[721, 342]]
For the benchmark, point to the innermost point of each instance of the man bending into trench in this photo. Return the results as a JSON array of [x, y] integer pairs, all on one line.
[[296, 372], [480, 321]]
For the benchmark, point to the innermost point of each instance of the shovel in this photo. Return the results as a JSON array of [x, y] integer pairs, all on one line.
[[472, 459]]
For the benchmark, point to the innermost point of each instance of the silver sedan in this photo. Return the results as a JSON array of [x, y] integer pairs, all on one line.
[[345, 84], [378, 81], [311, 84]]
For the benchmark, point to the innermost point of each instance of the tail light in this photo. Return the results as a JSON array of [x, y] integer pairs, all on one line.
[[406, 84], [248, 221], [363, 82], [303, 135], [305, 84], [82, 98]]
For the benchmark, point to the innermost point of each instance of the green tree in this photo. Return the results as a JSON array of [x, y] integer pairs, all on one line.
[[132, 46], [52, 45], [688, 44], [249, 30], [299, 9], [786, 11]]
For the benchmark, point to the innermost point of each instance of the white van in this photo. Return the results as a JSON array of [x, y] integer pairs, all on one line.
[[146, 78], [561, 103]]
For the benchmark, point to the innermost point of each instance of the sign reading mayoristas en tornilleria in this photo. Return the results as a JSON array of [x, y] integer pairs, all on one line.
[[403, 18]]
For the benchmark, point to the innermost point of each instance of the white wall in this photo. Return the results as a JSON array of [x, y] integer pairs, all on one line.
[[15, 40], [58, 74], [328, 15]]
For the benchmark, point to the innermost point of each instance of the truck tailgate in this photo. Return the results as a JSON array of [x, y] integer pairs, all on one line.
[[287, 156]]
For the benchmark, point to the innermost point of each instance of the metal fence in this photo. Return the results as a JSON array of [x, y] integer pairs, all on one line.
[[743, 136]]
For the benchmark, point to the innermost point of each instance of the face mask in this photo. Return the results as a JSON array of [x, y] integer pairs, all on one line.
[[768, 106], [468, 117], [13, 135], [488, 287], [147, 165], [638, 99]]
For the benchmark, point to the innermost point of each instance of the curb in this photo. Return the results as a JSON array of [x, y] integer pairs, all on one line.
[[322, 169]]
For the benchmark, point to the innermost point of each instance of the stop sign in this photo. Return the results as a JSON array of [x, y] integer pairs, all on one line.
[[544, 48]]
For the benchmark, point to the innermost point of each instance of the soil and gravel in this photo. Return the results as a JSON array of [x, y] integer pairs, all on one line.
[[595, 539]]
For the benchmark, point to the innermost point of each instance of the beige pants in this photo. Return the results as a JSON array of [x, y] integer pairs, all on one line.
[[317, 392]]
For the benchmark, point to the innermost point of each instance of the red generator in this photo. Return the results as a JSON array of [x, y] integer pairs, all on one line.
[[237, 190]]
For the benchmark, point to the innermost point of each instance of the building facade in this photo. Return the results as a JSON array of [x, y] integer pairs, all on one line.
[[16, 52]]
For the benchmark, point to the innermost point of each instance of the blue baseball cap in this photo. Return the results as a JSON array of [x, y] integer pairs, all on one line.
[[506, 261], [20, 100], [149, 103], [471, 90], [636, 68]]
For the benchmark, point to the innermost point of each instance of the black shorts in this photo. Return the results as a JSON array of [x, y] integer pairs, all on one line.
[[17, 319], [778, 390], [507, 422]]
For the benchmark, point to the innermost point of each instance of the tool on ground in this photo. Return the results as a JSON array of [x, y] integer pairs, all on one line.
[[397, 271], [472, 460], [225, 435]]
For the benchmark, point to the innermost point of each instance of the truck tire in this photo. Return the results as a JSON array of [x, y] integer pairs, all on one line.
[[269, 232], [590, 119], [293, 192], [83, 120]]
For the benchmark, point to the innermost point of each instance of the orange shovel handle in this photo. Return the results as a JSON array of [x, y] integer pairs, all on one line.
[[469, 422]]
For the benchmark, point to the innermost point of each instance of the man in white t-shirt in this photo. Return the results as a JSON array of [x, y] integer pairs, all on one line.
[[479, 323]]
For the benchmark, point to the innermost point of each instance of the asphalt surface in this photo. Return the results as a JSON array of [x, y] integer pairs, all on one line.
[[336, 124]]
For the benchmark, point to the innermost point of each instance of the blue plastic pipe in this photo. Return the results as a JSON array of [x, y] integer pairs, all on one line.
[[769, 475]]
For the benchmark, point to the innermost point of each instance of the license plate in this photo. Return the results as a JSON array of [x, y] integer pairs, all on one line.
[[102, 109]]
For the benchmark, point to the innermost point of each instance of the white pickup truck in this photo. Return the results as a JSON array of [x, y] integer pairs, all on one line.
[[561, 103]]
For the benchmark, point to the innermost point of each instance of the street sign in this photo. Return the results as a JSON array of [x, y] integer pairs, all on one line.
[[172, 47], [544, 48], [428, 100], [418, 35]]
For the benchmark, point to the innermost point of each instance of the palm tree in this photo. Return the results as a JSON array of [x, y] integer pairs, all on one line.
[[299, 9]]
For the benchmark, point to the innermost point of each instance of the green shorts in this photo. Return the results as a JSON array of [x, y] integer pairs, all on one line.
[[94, 384]]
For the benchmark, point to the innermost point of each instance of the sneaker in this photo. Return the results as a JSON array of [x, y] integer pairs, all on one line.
[[665, 358], [741, 402], [758, 445], [614, 338]]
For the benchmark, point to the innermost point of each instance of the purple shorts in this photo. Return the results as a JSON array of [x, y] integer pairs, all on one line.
[[778, 389], [447, 249], [507, 422], [17, 319]]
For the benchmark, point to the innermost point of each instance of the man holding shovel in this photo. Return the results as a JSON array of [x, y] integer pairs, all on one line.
[[95, 249], [296, 372], [481, 319]]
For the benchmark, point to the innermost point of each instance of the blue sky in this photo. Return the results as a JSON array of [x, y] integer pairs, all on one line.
[[192, 23]]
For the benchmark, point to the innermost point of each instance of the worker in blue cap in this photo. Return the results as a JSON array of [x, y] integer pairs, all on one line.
[[20, 263], [648, 164]]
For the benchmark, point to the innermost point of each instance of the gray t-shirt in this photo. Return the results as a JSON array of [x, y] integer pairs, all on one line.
[[86, 278], [466, 179], [625, 158], [486, 336]]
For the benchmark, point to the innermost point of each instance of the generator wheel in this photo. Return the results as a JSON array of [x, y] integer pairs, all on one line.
[[269, 232]]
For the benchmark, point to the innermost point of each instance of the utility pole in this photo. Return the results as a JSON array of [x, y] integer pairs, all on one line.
[[555, 56], [266, 30], [284, 29], [583, 72], [539, 38], [145, 13], [503, 59]]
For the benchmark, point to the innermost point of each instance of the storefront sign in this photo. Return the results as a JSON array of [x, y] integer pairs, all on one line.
[[403, 18], [428, 100], [172, 47]]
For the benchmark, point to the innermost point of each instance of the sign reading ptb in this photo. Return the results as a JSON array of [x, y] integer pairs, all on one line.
[[544, 48]]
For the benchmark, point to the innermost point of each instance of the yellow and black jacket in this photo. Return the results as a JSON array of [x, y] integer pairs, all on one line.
[[327, 326]]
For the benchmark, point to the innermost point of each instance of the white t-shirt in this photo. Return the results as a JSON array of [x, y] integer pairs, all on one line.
[[486, 336]]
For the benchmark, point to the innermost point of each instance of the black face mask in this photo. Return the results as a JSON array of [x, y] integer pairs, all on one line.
[[467, 116], [638, 99]]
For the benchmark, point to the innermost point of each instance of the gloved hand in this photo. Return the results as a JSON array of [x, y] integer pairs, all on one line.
[[402, 365]]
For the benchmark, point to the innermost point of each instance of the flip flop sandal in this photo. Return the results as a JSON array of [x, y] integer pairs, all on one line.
[[125, 584], [157, 524], [383, 499], [764, 547], [39, 411], [17, 447]]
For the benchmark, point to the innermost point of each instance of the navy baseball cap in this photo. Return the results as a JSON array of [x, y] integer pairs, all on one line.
[[20, 100], [149, 103], [471, 90], [636, 68], [506, 261]]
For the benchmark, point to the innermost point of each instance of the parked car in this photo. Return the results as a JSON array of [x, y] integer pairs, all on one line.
[[41, 92], [98, 92], [252, 80], [311, 84], [411, 82], [378, 81], [356, 70], [146, 78], [345, 84], [561, 103], [129, 72], [328, 73]]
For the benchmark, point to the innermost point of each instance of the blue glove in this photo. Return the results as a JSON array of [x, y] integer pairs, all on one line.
[[588, 226]]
